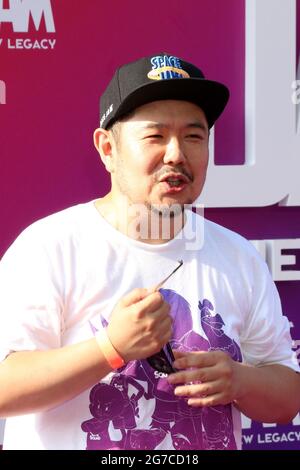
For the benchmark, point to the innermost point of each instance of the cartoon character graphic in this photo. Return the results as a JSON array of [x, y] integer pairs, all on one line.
[[106, 405], [213, 328], [218, 429], [138, 408]]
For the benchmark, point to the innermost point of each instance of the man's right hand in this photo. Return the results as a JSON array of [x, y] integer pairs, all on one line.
[[140, 324]]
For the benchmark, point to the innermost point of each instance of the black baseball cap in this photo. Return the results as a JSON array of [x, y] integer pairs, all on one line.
[[160, 77]]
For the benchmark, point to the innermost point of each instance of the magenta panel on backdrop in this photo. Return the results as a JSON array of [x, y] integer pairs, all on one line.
[[47, 157], [298, 31], [47, 160]]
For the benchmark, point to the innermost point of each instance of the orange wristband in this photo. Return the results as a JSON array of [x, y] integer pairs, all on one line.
[[111, 355]]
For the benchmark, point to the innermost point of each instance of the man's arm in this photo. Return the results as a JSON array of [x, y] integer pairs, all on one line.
[[270, 393], [40, 380], [32, 381]]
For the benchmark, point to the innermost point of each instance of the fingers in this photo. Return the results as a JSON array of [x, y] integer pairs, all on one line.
[[178, 354], [134, 296], [152, 303], [160, 333], [204, 378], [144, 301], [211, 400], [165, 330], [199, 390], [152, 289], [140, 324], [204, 394], [194, 375], [210, 393], [197, 359]]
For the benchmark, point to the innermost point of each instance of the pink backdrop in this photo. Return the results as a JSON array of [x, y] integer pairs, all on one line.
[[47, 159]]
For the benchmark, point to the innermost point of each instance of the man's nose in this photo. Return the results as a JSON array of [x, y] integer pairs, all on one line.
[[174, 153]]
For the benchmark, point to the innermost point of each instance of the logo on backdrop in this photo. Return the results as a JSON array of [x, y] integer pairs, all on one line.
[[27, 16], [2, 92], [257, 436], [272, 164], [296, 92]]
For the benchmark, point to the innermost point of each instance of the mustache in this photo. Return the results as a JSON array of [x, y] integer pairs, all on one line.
[[177, 171]]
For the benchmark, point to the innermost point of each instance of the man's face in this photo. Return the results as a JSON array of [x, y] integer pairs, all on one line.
[[161, 155]]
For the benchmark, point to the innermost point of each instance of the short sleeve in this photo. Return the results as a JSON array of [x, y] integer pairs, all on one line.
[[30, 297], [266, 335]]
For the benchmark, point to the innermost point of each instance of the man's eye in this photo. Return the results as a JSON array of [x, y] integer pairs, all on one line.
[[154, 136], [195, 136]]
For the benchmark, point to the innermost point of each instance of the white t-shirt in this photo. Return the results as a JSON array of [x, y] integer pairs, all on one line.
[[60, 281]]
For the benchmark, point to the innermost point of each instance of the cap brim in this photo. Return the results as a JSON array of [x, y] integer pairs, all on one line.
[[210, 96]]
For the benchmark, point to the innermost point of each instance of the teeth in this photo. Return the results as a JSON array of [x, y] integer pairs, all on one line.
[[174, 182]]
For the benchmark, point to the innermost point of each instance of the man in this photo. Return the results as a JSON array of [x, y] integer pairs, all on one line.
[[85, 309]]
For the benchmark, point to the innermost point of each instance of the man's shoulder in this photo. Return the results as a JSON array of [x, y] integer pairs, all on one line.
[[56, 228], [216, 230], [63, 219], [227, 240]]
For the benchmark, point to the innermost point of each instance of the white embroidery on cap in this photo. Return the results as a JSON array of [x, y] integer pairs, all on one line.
[[106, 114]]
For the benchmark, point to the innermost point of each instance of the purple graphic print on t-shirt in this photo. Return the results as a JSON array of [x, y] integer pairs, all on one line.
[[138, 408]]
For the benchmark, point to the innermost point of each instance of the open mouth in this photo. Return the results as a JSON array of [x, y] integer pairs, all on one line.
[[176, 181]]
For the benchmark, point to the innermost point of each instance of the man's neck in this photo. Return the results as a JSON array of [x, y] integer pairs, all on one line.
[[138, 222]]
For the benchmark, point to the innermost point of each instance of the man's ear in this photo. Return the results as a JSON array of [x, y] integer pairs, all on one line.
[[104, 144]]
